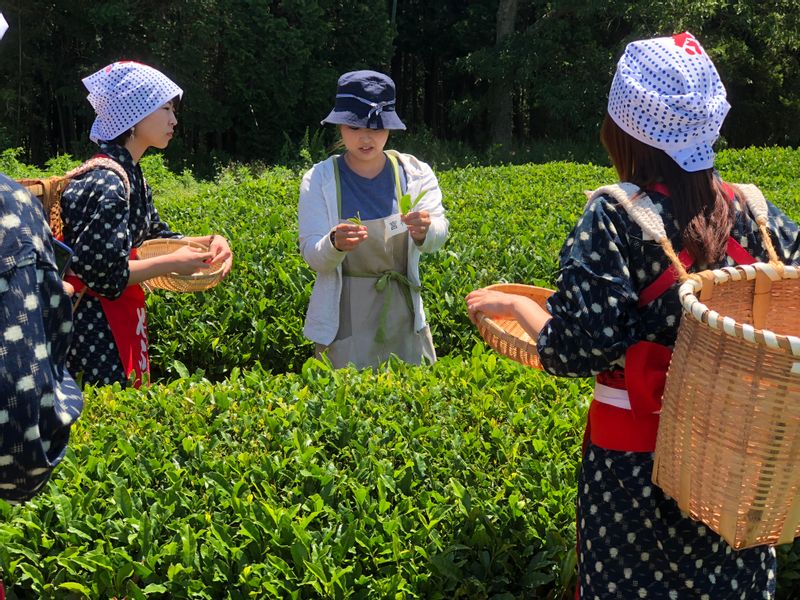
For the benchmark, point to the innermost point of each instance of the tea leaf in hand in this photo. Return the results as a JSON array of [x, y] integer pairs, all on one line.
[[405, 203], [356, 219], [413, 204]]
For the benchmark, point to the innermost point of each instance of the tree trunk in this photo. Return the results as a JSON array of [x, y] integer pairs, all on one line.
[[431, 101], [501, 102]]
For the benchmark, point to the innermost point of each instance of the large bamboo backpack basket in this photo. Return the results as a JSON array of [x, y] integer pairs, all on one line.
[[49, 189], [728, 447]]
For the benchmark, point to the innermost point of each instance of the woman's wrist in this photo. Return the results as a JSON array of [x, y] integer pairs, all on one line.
[[332, 237]]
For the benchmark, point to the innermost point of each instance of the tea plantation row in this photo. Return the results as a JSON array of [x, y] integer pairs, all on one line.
[[251, 471]]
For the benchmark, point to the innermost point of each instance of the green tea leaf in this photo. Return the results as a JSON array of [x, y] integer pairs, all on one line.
[[72, 586], [421, 195], [405, 203]]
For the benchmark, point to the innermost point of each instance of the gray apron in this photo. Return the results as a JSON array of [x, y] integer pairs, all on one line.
[[376, 314]]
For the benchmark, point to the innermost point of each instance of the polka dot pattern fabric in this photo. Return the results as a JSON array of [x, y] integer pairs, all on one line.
[[634, 541], [101, 226], [39, 401], [124, 93], [667, 93]]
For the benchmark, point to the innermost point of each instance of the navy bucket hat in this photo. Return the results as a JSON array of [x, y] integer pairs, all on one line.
[[365, 99]]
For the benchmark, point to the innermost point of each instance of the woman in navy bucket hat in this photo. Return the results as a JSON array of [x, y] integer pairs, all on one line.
[[361, 238], [615, 316]]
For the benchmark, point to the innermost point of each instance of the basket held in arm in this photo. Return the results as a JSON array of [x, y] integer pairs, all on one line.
[[507, 336], [196, 282]]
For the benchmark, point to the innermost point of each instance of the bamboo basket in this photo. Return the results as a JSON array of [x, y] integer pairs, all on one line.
[[507, 336], [49, 189], [728, 445], [196, 282]]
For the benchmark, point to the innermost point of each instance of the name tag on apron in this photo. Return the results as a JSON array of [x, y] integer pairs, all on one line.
[[393, 226]]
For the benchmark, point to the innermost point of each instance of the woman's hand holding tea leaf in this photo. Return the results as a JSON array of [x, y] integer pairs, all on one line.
[[418, 224], [347, 236]]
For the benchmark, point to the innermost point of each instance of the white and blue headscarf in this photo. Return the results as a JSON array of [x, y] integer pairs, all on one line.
[[667, 93], [124, 93]]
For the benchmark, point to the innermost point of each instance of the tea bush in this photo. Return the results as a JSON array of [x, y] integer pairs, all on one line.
[[261, 473], [506, 223], [455, 481]]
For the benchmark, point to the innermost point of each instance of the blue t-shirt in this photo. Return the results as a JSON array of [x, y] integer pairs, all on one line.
[[371, 198]]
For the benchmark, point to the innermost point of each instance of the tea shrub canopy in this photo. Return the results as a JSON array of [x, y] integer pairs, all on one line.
[[250, 470]]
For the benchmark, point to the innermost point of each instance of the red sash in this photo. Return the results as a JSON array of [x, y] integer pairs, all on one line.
[[644, 375], [126, 317]]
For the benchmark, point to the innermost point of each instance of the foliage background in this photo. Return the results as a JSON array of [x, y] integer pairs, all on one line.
[[258, 75], [249, 470]]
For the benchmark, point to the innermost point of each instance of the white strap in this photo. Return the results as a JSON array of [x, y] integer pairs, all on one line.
[[755, 201], [612, 396], [642, 211]]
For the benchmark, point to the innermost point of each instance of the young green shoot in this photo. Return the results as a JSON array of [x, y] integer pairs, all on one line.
[[406, 205]]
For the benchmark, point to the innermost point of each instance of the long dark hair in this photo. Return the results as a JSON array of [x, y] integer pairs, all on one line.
[[704, 215]]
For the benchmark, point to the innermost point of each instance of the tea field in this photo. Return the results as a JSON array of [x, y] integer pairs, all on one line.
[[250, 470]]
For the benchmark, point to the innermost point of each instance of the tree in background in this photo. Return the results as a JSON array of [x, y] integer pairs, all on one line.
[[484, 73], [251, 70], [501, 101]]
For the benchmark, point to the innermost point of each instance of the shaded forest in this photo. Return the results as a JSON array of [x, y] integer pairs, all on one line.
[[258, 75]]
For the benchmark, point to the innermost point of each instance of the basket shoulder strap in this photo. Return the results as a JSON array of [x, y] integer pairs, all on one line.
[[757, 205], [638, 206], [642, 211], [103, 162], [754, 199]]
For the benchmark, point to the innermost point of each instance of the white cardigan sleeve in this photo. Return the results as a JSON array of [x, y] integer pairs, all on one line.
[[315, 224], [424, 179]]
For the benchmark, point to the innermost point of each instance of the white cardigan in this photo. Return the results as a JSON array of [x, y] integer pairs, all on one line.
[[319, 214]]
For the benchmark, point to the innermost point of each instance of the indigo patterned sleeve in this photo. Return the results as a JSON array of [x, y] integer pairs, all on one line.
[[95, 211], [39, 401], [594, 308], [158, 228], [787, 235]]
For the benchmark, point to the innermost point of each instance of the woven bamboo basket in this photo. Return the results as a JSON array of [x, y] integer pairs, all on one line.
[[196, 282], [507, 336], [49, 189], [728, 445]]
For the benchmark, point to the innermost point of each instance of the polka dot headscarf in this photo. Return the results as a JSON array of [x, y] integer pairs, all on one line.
[[667, 93], [124, 93]]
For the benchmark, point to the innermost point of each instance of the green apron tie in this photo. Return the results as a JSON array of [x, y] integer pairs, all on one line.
[[383, 280]]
